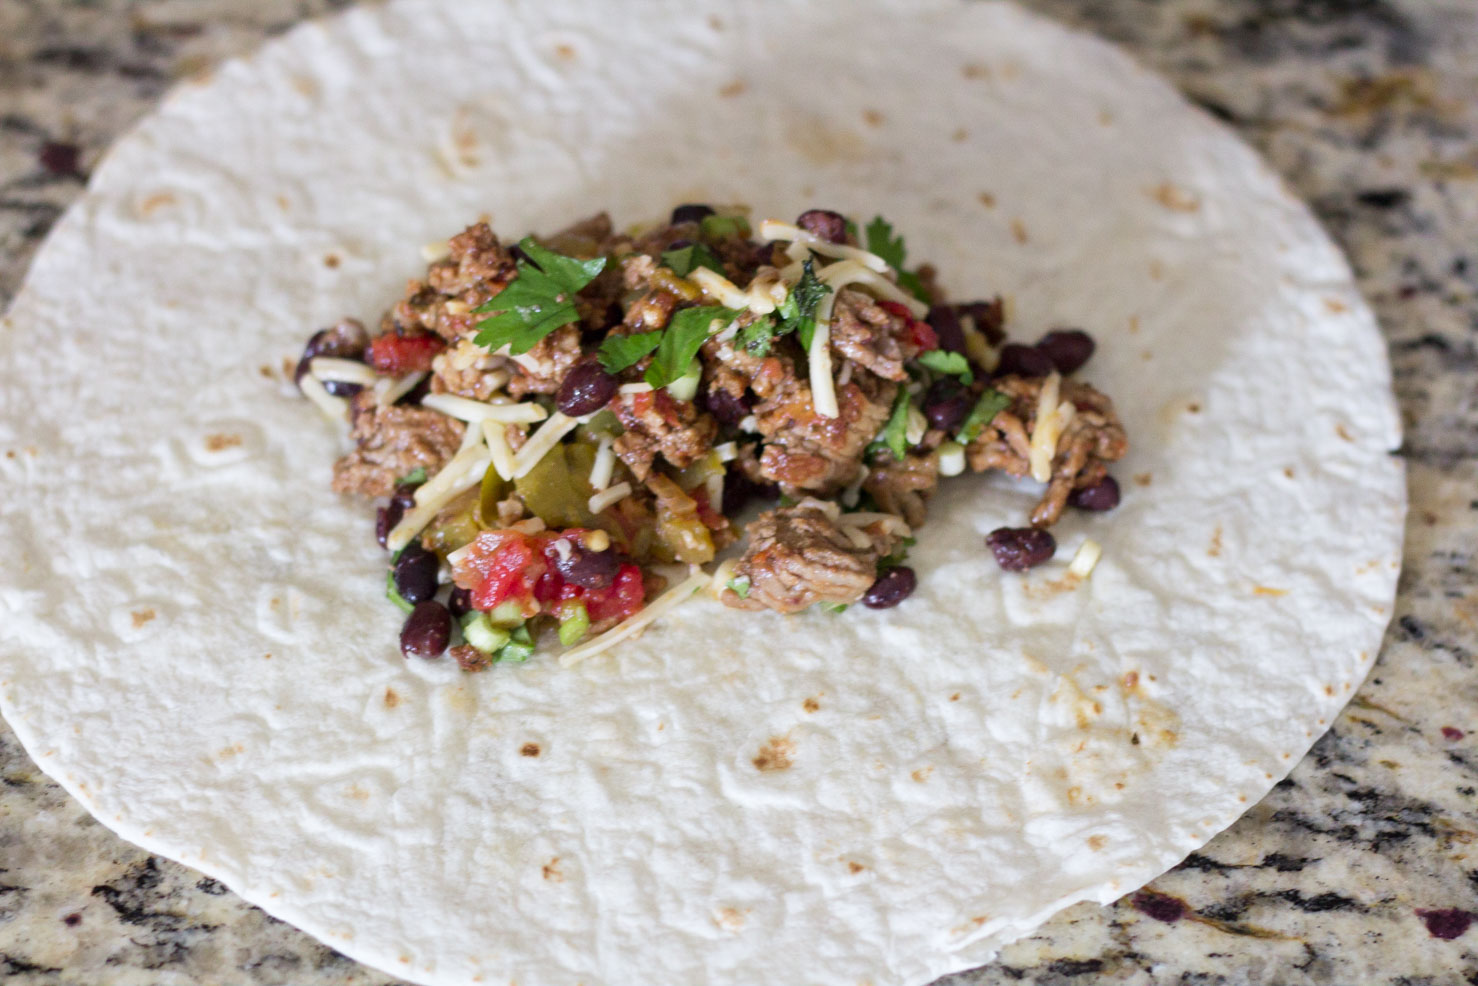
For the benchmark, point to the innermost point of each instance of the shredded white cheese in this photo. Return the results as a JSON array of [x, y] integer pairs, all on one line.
[[342, 371], [818, 360], [468, 476], [432, 252], [1052, 419], [856, 535], [917, 424], [951, 459], [640, 387], [605, 498], [563, 548], [465, 409], [454, 558], [845, 272], [388, 390], [721, 577], [977, 346], [529, 525], [720, 288], [335, 408], [495, 433], [1085, 558], [541, 442], [604, 465], [727, 451], [749, 423], [715, 486], [774, 229], [638, 622]]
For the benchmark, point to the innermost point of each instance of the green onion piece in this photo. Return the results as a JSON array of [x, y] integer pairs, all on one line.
[[992, 402], [573, 622], [520, 647], [739, 585], [415, 477], [482, 634], [507, 614], [717, 227], [834, 607], [944, 361], [393, 594], [685, 387]]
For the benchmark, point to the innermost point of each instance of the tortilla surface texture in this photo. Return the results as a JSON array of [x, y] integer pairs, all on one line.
[[197, 643]]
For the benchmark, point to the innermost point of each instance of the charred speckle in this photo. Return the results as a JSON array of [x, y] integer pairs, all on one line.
[[1384, 198], [530, 750], [1161, 907], [1075, 967], [1196, 861], [1321, 902], [72, 920], [1411, 628], [1285, 864], [1219, 110]]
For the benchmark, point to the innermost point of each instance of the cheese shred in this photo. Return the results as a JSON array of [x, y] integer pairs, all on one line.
[[638, 622], [607, 497], [1085, 559], [542, 442], [1052, 418], [334, 408], [465, 409]]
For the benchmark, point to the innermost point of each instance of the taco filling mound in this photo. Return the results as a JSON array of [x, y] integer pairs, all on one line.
[[556, 422]]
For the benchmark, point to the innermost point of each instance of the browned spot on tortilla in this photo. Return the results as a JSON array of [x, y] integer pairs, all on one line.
[[1193, 408], [265, 371], [1343, 432], [142, 616], [1157, 270], [987, 199], [778, 754], [873, 118], [1329, 690], [358, 793], [975, 70], [283, 203], [730, 918], [811, 705], [219, 443], [820, 142], [331, 260], [1288, 471], [1129, 682], [731, 89], [1174, 198], [1215, 549], [1076, 796], [955, 697], [854, 867], [1335, 306], [1143, 478], [1263, 590], [275, 602], [552, 872], [267, 657], [392, 699], [1105, 117], [288, 367], [567, 52], [405, 958], [228, 752], [154, 203], [305, 86], [1133, 324], [530, 750], [10, 453], [959, 135], [1097, 842], [922, 774], [1018, 231], [716, 22]]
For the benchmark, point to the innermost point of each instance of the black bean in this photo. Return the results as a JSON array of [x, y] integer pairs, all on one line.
[[415, 573], [585, 389], [1102, 495], [516, 253], [892, 587], [460, 602], [342, 388], [405, 495], [1019, 548], [417, 392], [729, 410], [946, 404], [945, 321], [585, 568], [824, 223], [347, 340], [427, 630], [692, 212], [385, 520], [1068, 349], [680, 244], [1023, 361]]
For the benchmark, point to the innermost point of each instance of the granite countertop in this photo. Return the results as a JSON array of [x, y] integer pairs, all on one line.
[[1354, 869]]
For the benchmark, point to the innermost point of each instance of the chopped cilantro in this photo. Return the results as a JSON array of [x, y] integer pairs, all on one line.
[[393, 594], [415, 477], [618, 352], [944, 361], [898, 557], [716, 227], [834, 607], [520, 647], [755, 338], [681, 340], [894, 436], [798, 310], [687, 259], [881, 241], [786, 500], [536, 302], [739, 585], [991, 403]]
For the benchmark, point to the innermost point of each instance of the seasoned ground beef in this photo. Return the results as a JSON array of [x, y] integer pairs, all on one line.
[[800, 555], [870, 336], [393, 441], [808, 453], [1093, 439], [658, 425], [903, 488], [540, 370]]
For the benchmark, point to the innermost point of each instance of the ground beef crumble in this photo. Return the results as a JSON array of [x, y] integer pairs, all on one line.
[[393, 441]]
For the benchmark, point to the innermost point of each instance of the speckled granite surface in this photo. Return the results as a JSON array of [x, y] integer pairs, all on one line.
[[1354, 870]]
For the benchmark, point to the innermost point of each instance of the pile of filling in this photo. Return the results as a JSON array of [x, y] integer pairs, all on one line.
[[563, 431]]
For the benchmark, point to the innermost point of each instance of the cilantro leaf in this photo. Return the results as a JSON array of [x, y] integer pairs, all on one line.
[[416, 477], [756, 337], [894, 437], [898, 557], [944, 361], [618, 352], [834, 607], [536, 302], [689, 258], [682, 339], [739, 585], [881, 241], [798, 310], [991, 403], [716, 227]]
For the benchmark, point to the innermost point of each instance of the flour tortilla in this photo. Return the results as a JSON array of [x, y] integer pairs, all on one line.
[[196, 640]]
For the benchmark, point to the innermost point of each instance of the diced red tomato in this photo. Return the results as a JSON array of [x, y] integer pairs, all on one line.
[[922, 333], [396, 355], [510, 565]]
